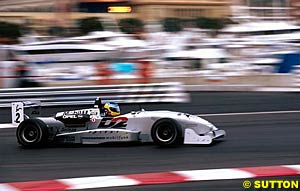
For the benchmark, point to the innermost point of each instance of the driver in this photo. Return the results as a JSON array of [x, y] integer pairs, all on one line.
[[111, 109]]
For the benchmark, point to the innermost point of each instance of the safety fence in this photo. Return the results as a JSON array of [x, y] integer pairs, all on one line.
[[84, 95]]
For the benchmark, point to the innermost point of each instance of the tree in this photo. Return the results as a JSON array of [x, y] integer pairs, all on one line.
[[172, 24], [131, 26], [210, 23], [89, 24], [56, 31], [9, 30]]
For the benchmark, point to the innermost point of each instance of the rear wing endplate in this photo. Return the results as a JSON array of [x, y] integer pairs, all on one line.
[[24, 110]]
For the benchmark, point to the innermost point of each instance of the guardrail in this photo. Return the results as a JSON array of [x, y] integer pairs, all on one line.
[[84, 95]]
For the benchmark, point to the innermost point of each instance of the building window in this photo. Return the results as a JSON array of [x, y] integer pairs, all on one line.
[[188, 12], [267, 3]]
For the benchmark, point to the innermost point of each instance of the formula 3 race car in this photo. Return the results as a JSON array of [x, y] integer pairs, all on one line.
[[91, 126]]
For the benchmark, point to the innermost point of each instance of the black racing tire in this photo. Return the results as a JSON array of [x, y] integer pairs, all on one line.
[[32, 133], [166, 132]]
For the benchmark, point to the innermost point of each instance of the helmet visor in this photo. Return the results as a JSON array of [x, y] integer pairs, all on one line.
[[114, 107]]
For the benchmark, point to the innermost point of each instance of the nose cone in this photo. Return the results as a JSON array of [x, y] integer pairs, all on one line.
[[207, 123], [204, 126]]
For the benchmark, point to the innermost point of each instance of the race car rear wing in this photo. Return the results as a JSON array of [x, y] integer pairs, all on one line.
[[28, 109], [24, 110]]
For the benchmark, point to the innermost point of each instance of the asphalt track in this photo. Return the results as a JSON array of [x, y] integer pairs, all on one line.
[[253, 140]]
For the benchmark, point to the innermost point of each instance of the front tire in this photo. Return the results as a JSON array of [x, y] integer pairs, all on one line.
[[32, 133], [166, 132]]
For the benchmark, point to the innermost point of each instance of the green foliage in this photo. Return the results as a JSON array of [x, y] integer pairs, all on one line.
[[131, 25], [56, 31], [9, 30], [210, 23], [172, 24], [89, 24]]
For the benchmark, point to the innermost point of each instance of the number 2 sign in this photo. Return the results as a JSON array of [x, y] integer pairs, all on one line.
[[17, 112]]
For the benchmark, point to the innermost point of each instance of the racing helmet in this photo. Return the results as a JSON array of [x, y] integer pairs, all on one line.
[[112, 109]]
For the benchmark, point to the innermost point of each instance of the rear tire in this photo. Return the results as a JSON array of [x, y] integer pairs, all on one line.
[[32, 133], [166, 132]]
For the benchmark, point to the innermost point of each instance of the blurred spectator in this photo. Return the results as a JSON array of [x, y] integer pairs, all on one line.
[[7, 66], [23, 76]]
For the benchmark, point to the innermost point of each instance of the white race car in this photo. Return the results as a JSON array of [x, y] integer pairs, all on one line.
[[91, 126]]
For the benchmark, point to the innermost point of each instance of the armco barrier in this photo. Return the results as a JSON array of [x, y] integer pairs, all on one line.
[[82, 95]]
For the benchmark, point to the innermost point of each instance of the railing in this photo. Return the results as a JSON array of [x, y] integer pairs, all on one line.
[[84, 95]]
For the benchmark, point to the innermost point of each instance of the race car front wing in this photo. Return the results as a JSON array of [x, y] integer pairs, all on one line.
[[191, 137]]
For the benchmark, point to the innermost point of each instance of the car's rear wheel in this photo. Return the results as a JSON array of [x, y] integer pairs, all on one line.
[[32, 133], [166, 132]]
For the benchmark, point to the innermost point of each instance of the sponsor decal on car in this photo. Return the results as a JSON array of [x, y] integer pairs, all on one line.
[[75, 116], [108, 138], [117, 122], [83, 111]]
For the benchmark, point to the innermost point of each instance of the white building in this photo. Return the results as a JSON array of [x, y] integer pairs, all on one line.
[[251, 10]]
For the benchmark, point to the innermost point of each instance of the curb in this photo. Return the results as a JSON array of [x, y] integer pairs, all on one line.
[[152, 178]]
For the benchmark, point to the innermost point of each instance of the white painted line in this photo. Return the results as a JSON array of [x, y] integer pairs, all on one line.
[[267, 89], [248, 113], [7, 125]]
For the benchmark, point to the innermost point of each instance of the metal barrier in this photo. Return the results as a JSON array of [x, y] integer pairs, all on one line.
[[84, 95]]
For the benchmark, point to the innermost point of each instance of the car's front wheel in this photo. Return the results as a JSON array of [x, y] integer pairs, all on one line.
[[166, 132], [32, 133]]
